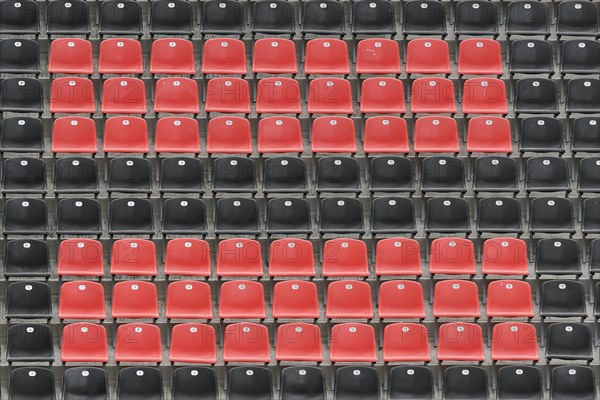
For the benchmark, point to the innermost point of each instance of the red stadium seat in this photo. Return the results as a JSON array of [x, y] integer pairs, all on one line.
[[345, 257], [398, 257], [504, 256], [187, 257], [484, 96], [509, 299], [479, 56], [176, 96], [295, 299], [436, 135], [382, 96], [401, 299], [224, 56], [72, 95], [246, 342], [120, 56], [352, 342], [177, 135], [242, 300], [291, 257], [70, 56], [124, 96], [74, 135], [229, 135], [460, 341], [80, 257], [279, 135], [298, 342], [134, 299], [193, 343], [274, 56], [427, 56], [330, 96], [228, 95], [172, 56], [378, 56], [84, 342], [349, 300], [278, 96], [126, 135], [406, 342], [133, 257], [489, 134], [326, 56], [385, 134], [456, 299], [81, 300], [514, 341], [452, 256], [239, 257], [138, 343], [188, 300], [333, 135], [432, 96]]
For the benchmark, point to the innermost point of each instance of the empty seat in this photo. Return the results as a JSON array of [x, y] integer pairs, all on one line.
[[569, 341], [84, 342], [547, 174], [120, 17], [228, 95], [465, 382], [224, 56], [556, 256], [349, 300], [432, 95], [406, 342], [298, 342], [81, 300], [85, 382], [237, 216], [562, 298], [456, 299], [303, 383], [489, 134], [528, 18], [80, 257], [495, 174], [452, 256], [176, 96], [131, 217], [338, 175], [246, 342], [76, 175], [330, 96], [138, 343], [476, 18], [134, 257], [508, 298], [484, 95], [124, 96], [134, 299], [30, 343], [352, 342], [341, 215], [31, 383], [392, 215], [391, 174], [242, 300], [460, 341], [436, 134], [333, 135], [479, 56], [68, 18], [295, 299], [551, 215], [194, 383], [356, 382], [536, 96], [424, 17], [24, 175], [20, 17], [345, 257], [229, 135], [222, 17], [28, 300], [541, 134], [125, 135], [572, 380], [378, 56], [284, 175], [514, 341], [184, 216], [181, 175], [288, 216], [188, 300], [136, 382], [279, 134], [577, 19], [382, 96], [234, 175], [24, 216], [187, 257], [72, 95], [582, 95], [589, 175], [447, 215], [172, 56], [428, 56], [273, 17], [74, 135], [26, 257], [531, 57], [594, 263], [239, 257], [519, 382], [499, 215], [278, 96], [193, 343], [171, 18], [373, 18], [249, 382], [21, 135], [414, 382], [580, 57], [442, 174], [121, 56], [324, 17], [274, 56], [586, 134], [19, 56], [398, 257], [291, 257], [385, 134], [78, 217], [21, 95], [590, 216], [177, 135]]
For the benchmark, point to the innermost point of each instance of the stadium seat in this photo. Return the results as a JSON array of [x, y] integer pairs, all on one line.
[[176, 96], [70, 56], [514, 341], [31, 383], [124, 96], [30, 343], [188, 300], [341, 215], [447, 215], [547, 174], [330, 96], [479, 56], [224, 56], [23, 216], [21, 95], [456, 299], [72, 95], [76, 175], [138, 343], [572, 380], [298, 342], [172, 56], [452, 256], [436, 134], [68, 18], [528, 18], [378, 56], [171, 17], [406, 342], [424, 17], [409, 381], [194, 383], [428, 56], [392, 215], [562, 298], [582, 96], [499, 215], [345, 257], [489, 134], [589, 175], [21, 135], [443, 174], [84, 342], [184, 216], [333, 135], [193, 343], [324, 17], [382, 96], [121, 56], [580, 56], [81, 300], [303, 382], [228, 95], [484, 95], [74, 135], [133, 382], [569, 341], [274, 56], [551, 215], [134, 299], [26, 257], [177, 135], [133, 257], [326, 57], [555, 256], [252, 382], [349, 300], [181, 175], [590, 217], [291, 257], [129, 175], [85, 382], [356, 382], [474, 17], [239, 257], [531, 57], [373, 18], [222, 17], [519, 382], [352, 343], [337, 175], [401, 299], [594, 260], [495, 174], [536, 96], [541, 135], [585, 134], [120, 17], [279, 134], [398, 257], [295, 299], [274, 17], [460, 341], [508, 298], [19, 17], [28, 300], [284, 175], [242, 300], [577, 19], [80, 257], [278, 96], [130, 217], [78, 217], [234, 175], [125, 134], [465, 382], [24, 175], [229, 135], [385, 134], [287, 215], [432, 96], [237, 216], [246, 342]]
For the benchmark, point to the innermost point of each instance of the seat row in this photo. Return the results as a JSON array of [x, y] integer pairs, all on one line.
[[306, 382], [227, 17], [287, 258], [478, 56]]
